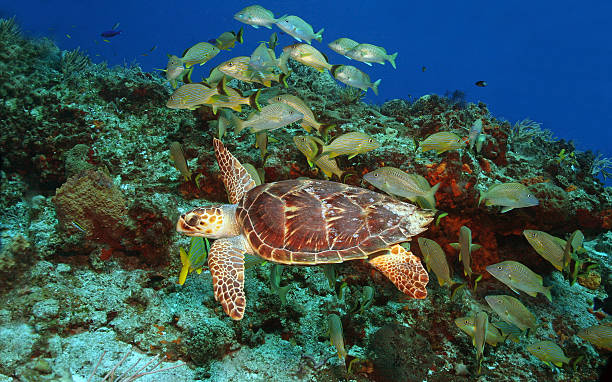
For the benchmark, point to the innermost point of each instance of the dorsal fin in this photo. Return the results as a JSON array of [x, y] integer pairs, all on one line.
[[235, 177]]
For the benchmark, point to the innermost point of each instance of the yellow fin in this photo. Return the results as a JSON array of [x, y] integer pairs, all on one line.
[[185, 268]]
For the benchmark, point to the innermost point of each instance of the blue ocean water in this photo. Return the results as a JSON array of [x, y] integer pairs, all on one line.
[[549, 60]]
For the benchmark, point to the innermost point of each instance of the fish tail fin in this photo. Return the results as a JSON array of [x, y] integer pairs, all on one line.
[[306, 126], [333, 70], [481, 198], [187, 76], [319, 35], [254, 100], [546, 292], [391, 59], [283, 78], [238, 124], [431, 194], [573, 362], [239, 35], [324, 129], [375, 86], [184, 268]]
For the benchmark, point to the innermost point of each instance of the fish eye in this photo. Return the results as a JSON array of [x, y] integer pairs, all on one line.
[[375, 175], [370, 140], [499, 268]]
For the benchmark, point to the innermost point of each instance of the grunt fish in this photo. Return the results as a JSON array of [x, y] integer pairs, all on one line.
[[238, 67], [227, 40], [298, 29], [512, 311], [548, 352], [442, 141], [177, 155], [467, 325], [481, 326], [509, 196], [549, 247], [519, 277], [354, 77], [598, 335], [175, 70], [368, 53], [465, 248], [195, 259], [190, 96], [308, 55], [350, 144], [474, 133], [435, 259], [397, 182], [309, 122], [342, 46], [335, 334], [271, 117], [200, 53], [262, 62], [256, 16], [308, 146], [233, 99]]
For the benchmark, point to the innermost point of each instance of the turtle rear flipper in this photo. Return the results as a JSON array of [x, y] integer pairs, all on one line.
[[226, 263], [404, 270], [235, 177]]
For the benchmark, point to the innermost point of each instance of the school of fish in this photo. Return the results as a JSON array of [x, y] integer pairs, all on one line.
[[263, 70]]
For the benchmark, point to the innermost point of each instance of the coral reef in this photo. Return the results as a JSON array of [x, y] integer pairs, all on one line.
[[89, 256]]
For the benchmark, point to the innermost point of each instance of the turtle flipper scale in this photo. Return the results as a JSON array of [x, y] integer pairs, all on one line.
[[235, 177], [404, 270], [226, 264]]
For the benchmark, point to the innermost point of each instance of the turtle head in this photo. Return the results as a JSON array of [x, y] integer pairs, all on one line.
[[213, 222]]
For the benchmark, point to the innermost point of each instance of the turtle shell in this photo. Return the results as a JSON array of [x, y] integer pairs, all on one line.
[[318, 221]]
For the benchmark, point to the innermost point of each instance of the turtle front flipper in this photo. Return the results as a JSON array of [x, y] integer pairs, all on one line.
[[235, 177], [404, 270], [226, 263]]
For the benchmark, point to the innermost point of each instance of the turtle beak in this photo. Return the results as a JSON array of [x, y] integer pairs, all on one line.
[[188, 224]]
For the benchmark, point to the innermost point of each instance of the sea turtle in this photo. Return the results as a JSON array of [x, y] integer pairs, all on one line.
[[303, 222]]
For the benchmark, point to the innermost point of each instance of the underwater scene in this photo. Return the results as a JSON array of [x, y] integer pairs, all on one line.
[[304, 191]]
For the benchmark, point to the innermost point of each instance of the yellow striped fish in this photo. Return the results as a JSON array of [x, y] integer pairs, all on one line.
[[233, 99], [368, 53], [307, 55], [442, 141], [190, 96], [481, 326], [238, 68], [508, 330], [598, 335], [519, 277], [548, 246], [467, 325], [350, 144], [548, 352], [195, 259], [435, 259], [200, 53], [512, 311], [342, 45], [309, 122], [508, 195], [176, 154], [394, 181], [271, 117], [465, 248], [308, 146]]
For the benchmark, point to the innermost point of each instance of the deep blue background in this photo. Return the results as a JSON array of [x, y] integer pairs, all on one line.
[[550, 61]]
